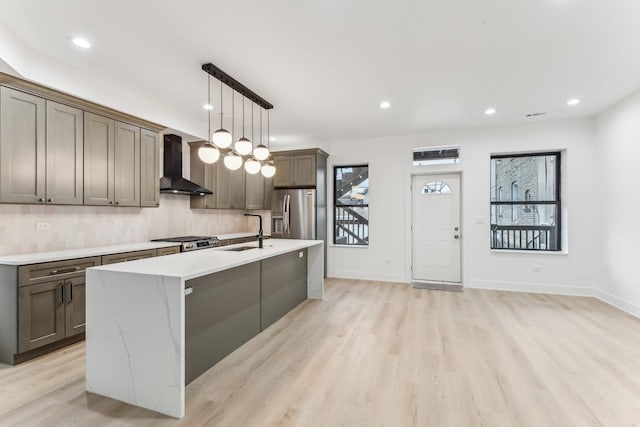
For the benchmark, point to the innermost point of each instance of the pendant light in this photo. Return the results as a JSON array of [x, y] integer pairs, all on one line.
[[222, 137], [268, 169], [208, 153], [261, 152], [232, 160], [243, 146], [252, 166]]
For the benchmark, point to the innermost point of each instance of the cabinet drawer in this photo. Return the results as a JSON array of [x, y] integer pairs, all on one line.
[[45, 272], [169, 251], [128, 256]]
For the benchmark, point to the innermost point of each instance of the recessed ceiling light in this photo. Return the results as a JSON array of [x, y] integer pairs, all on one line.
[[207, 107], [81, 42], [573, 101], [385, 104], [490, 111]]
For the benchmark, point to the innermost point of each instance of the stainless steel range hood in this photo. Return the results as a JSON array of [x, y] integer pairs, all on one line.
[[172, 182]]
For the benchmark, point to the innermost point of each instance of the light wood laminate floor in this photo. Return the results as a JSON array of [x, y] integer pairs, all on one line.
[[385, 354]]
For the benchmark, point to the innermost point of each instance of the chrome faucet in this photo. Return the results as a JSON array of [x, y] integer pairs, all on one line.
[[260, 233]]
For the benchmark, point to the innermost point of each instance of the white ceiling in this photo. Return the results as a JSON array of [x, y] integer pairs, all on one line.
[[326, 65]]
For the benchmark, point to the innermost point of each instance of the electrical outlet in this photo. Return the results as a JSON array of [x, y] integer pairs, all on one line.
[[300, 254], [43, 225], [537, 269], [387, 260]]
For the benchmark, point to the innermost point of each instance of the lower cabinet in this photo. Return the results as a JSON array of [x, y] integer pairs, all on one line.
[[284, 285], [41, 315], [50, 311], [221, 313]]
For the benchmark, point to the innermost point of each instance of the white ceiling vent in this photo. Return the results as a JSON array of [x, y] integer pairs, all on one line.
[[435, 156]]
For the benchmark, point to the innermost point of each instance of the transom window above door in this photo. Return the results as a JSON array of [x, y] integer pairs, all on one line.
[[436, 187]]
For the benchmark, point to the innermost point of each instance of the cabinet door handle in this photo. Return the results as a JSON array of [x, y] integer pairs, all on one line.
[[117, 203], [70, 293], [41, 200], [110, 202], [67, 270], [60, 289], [49, 200]]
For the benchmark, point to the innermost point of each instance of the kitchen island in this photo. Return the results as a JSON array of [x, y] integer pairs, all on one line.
[[154, 325]]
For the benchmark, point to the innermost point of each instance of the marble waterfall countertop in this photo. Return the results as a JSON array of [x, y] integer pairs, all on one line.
[[189, 265], [38, 257], [135, 339]]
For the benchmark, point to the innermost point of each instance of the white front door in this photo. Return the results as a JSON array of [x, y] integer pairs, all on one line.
[[436, 228]]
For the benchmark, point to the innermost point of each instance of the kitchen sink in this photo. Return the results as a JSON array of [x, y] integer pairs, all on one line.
[[240, 248]]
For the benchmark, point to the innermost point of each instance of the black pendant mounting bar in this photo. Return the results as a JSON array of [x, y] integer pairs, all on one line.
[[236, 85]]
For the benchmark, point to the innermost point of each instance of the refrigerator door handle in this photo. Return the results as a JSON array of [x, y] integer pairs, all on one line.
[[287, 213]]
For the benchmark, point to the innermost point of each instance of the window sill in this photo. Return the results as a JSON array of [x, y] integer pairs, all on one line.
[[333, 245], [525, 252]]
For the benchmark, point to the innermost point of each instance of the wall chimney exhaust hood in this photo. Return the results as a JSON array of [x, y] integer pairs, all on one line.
[[172, 182]]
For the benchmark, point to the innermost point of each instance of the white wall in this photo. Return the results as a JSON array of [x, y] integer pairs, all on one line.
[[618, 136], [388, 256]]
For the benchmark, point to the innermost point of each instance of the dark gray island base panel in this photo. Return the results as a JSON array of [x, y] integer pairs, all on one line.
[[221, 314], [225, 310], [284, 285]]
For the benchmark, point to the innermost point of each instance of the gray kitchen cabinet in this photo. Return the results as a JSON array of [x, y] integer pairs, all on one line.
[[304, 170], [22, 147], [221, 313], [127, 165], [128, 256], [228, 186], [65, 147], [297, 168], [255, 194], [75, 316], [99, 141], [284, 171], [283, 285], [149, 168], [204, 175], [268, 192], [41, 315], [237, 189], [221, 185]]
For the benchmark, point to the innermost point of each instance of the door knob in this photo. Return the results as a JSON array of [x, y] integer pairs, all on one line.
[[455, 236]]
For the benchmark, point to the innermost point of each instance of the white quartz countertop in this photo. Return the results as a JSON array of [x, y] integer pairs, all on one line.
[[237, 235], [62, 255], [189, 265]]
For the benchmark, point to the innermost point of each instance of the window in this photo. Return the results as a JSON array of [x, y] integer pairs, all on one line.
[[436, 187], [435, 156], [532, 220], [351, 202]]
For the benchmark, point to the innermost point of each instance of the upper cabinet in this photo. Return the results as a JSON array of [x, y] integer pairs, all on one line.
[[127, 165], [231, 189], [58, 149], [65, 147], [299, 168], [149, 168], [99, 141], [22, 147]]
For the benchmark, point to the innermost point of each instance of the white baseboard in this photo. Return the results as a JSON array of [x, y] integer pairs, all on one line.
[[537, 288], [619, 303], [376, 277]]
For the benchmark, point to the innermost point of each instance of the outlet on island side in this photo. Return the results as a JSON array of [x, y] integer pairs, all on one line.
[[387, 260], [537, 269]]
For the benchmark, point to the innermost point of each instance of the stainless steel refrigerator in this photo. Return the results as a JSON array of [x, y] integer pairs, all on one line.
[[293, 214]]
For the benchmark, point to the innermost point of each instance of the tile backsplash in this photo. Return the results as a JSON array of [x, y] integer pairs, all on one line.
[[71, 227]]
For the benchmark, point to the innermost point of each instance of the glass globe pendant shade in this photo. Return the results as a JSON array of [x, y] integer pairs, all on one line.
[[261, 152], [222, 138], [243, 146], [268, 170], [232, 161], [208, 153], [252, 166]]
